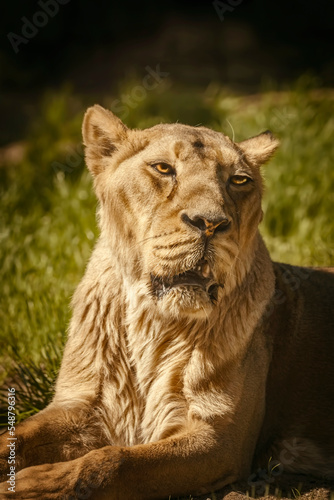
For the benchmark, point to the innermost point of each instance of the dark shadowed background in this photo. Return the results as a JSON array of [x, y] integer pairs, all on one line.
[[242, 44]]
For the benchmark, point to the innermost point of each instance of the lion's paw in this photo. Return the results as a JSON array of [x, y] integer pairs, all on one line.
[[48, 481]]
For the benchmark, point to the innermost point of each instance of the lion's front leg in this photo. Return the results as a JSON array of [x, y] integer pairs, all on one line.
[[192, 462], [54, 435], [48, 482], [70, 480]]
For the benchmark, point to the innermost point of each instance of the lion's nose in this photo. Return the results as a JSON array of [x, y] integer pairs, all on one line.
[[206, 226]]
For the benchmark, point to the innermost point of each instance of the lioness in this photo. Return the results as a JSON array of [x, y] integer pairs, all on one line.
[[192, 358]]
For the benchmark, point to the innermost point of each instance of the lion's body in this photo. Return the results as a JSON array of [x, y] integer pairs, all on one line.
[[191, 358], [300, 392]]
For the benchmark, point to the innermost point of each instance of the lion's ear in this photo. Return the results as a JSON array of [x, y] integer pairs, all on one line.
[[259, 149], [102, 133]]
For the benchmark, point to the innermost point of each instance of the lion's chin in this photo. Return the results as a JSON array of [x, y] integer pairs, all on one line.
[[194, 292], [186, 301]]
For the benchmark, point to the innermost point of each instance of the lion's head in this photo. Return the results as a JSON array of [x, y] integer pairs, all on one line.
[[179, 206]]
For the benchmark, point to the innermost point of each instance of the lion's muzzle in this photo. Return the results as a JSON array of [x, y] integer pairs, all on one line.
[[198, 277]]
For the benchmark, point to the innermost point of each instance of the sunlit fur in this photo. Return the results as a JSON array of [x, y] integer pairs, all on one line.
[[123, 328], [173, 394]]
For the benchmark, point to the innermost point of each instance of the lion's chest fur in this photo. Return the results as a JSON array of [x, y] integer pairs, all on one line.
[[149, 385], [162, 384], [165, 374]]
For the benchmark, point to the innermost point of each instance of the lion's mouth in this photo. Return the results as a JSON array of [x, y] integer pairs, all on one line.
[[198, 277]]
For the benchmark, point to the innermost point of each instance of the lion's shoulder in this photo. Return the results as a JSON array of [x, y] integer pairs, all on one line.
[[307, 281], [302, 313]]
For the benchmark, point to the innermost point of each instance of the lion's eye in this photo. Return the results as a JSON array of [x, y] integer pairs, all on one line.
[[163, 168], [240, 180]]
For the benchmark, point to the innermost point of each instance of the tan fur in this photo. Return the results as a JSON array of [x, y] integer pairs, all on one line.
[[182, 391]]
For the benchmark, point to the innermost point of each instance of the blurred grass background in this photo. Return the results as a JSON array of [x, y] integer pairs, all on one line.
[[47, 213]]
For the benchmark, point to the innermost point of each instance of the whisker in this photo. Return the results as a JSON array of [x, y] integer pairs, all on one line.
[[156, 236], [233, 135]]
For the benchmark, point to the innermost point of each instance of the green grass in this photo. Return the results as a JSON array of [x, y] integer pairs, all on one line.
[[47, 213]]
